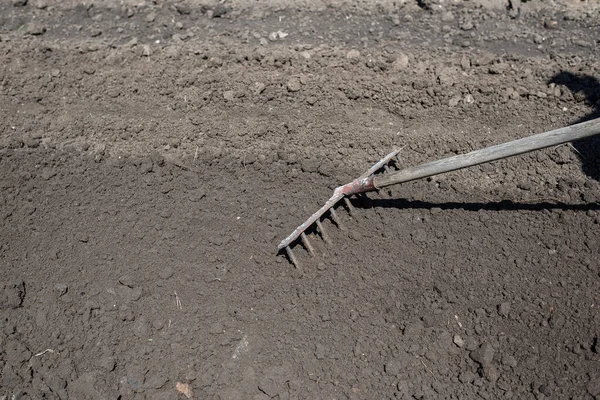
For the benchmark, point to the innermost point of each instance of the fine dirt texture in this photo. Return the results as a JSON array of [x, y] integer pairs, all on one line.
[[154, 154]]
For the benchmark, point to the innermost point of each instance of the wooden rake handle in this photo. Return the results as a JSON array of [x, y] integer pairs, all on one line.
[[489, 154]]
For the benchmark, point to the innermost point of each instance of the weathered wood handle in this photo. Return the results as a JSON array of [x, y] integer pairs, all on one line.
[[493, 153]]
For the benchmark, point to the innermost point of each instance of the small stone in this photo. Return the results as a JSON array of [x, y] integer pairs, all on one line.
[[127, 280], [229, 95], [545, 390], [12, 295], [401, 62], [293, 85], [491, 373], [538, 39], [146, 50], [582, 43], [61, 289], [504, 309], [132, 42], [453, 102], [469, 99], [467, 377], [273, 36], [141, 328], [448, 76], [551, 24], [147, 165], [216, 328], [509, 360], [33, 142], [414, 329], [268, 384], [34, 28], [39, 4], [483, 355], [150, 17], [19, 3], [467, 26], [183, 8], [156, 382], [166, 273], [107, 363], [219, 11], [305, 54], [353, 54], [448, 16], [48, 173], [311, 100], [465, 62], [458, 341], [593, 386], [184, 389], [498, 68], [393, 368], [320, 352]]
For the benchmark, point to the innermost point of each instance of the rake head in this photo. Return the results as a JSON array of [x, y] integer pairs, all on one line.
[[361, 185]]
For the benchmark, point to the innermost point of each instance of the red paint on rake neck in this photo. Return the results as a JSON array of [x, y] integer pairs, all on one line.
[[360, 185]]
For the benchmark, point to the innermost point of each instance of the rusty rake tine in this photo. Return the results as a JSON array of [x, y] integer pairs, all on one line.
[[292, 257], [336, 219], [324, 234], [363, 184], [350, 207], [307, 244]]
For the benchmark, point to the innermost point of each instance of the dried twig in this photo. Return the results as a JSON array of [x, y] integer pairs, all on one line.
[[426, 368], [177, 301], [43, 352]]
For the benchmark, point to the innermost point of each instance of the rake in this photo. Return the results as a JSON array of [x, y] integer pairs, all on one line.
[[370, 181]]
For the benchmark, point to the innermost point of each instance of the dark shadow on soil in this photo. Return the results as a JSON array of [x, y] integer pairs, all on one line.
[[505, 205], [585, 88]]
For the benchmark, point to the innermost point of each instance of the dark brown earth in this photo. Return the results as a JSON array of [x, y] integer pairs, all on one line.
[[153, 155]]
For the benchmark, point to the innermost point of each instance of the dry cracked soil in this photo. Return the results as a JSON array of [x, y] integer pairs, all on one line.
[[154, 153]]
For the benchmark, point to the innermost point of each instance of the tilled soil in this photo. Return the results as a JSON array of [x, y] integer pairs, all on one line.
[[153, 155]]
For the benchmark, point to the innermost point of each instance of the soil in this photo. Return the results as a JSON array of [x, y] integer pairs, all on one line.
[[154, 153]]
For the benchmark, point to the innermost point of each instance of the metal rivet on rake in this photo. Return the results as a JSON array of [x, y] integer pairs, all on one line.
[[292, 257], [336, 219], [307, 244], [324, 234]]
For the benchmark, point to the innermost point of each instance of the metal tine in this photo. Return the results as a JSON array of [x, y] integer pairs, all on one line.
[[324, 234], [292, 257], [336, 219], [307, 244], [387, 168], [350, 207]]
